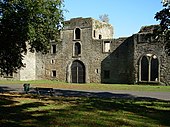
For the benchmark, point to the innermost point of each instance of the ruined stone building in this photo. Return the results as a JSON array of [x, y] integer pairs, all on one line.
[[87, 52]]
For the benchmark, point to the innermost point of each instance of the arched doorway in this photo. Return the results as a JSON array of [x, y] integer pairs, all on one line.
[[78, 72]]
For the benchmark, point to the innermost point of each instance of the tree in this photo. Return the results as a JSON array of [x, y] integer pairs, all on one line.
[[104, 18], [163, 30], [22, 22]]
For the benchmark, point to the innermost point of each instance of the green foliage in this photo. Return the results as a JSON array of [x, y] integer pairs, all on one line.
[[22, 22], [163, 31]]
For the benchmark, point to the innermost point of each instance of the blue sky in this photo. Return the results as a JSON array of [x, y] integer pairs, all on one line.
[[126, 16]]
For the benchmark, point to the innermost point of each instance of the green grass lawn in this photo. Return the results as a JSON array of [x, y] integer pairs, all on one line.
[[91, 86], [41, 111]]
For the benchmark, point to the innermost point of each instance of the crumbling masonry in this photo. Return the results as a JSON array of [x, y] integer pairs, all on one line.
[[88, 53]]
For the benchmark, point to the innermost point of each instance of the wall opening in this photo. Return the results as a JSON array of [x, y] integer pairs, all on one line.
[[96, 71], [54, 73], [149, 68], [77, 49], [106, 46], [100, 36], [94, 33], [154, 68], [77, 33], [52, 61], [53, 49], [78, 72], [144, 69]]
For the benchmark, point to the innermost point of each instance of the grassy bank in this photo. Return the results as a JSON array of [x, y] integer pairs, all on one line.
[[28, 110], [91, 86]]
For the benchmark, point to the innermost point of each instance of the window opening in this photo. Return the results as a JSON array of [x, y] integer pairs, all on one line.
[[97, 71], [149, 68], [144, 69], [54, 73], [77, 49], [77, 33], [106, 46], [52, 61], [154, 69], [94, 33], [54, 47], [100, 36]]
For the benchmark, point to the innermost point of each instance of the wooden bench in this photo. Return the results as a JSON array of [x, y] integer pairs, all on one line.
[[44, 91]]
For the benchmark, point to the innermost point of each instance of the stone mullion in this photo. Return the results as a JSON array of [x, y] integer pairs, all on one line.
[[149, 70]]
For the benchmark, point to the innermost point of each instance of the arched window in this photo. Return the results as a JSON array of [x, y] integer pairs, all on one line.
[[144, 69], [154, 68], [77, 33], [149, 68], [77, 49]]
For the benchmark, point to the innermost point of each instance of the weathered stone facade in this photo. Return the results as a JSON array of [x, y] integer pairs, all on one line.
[[87, 52]]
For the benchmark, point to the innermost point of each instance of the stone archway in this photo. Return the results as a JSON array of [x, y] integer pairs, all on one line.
[[144, 69], [154, 68], [149, 68], [77, 72]]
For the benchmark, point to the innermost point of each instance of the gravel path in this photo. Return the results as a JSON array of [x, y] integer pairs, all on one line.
[[103, 94]]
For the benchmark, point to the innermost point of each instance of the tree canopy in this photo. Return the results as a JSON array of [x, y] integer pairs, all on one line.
[[163, 31], [22, 22]]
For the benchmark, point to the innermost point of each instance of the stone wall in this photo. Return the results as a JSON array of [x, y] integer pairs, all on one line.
[[40, 66], [29, 71], [150, 47], [119, 62], [119, 65], [105, 60], [102, 29], [91, 51]]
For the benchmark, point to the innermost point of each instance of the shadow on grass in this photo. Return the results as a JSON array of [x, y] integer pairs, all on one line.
[[73, 93], [5, 89], [12, 113], [73, 108]]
